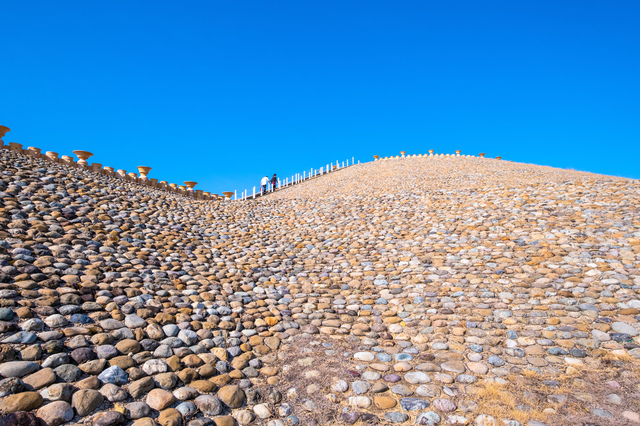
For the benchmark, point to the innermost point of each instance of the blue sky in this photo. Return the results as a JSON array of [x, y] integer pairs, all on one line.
[[224, 92]]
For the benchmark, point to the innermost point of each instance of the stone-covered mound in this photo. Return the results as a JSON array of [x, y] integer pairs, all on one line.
[[440, 290]]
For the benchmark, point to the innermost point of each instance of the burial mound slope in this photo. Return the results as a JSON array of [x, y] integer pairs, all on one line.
[[440, 290]]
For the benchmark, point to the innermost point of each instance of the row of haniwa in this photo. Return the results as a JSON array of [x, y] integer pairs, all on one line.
[[403, 154], [187, 189]]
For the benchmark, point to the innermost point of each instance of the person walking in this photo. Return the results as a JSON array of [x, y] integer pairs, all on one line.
[[264, 182], [274, 182]]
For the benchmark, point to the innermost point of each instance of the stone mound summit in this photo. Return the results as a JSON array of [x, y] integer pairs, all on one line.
[[419, 290]]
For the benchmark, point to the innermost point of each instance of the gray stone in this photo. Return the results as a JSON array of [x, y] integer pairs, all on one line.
[[209, 405], [186, 408], [417, 377], [360, 387], [138, 410], [429, 418], [134, 321], [623, 327], [115, 375], [444, 405], [18, 368], [396, 417], [55, 413], [23, 337], [10, 386], [155, 366], [340, 386], [413, 404]]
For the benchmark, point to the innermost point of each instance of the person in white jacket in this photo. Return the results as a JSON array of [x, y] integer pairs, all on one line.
[[263, 184]]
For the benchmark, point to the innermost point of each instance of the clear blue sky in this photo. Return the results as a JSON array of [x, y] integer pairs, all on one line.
[[225, 92]]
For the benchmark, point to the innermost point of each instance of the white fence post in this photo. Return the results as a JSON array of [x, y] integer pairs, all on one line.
[[254, 192], [235, 194]]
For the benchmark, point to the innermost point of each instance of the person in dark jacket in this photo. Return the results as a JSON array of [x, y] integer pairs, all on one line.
[[274, 182]]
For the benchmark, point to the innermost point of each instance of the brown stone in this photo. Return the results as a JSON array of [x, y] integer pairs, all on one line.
[[170, 417], [128, 346], [384, 402], [40, 379], [220, 380], [232, 396], [159, 399], [225, 421], [122, 361], [25, 401], [203, 386]]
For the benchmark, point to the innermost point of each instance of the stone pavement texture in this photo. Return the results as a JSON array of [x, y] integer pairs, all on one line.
[[438, 290]]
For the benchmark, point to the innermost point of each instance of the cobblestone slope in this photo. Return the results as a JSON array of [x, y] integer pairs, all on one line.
[[438, 290]]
